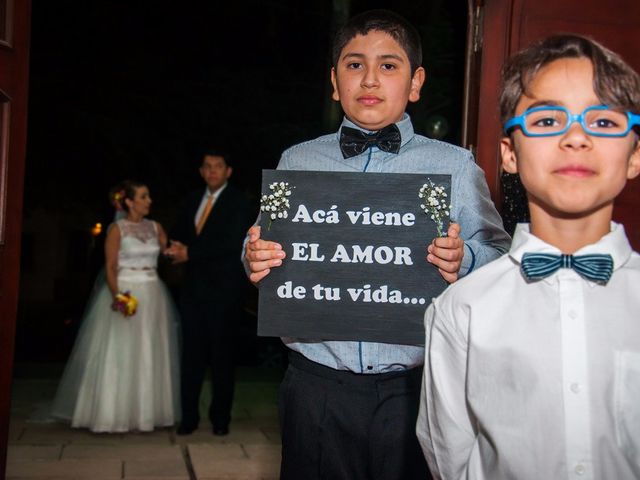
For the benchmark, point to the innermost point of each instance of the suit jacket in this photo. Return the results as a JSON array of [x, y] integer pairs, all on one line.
[[214, 271]]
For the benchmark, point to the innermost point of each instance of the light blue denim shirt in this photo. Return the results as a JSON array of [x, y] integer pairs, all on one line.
[[481, 227]]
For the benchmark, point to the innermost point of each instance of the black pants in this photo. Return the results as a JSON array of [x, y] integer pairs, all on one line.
[[207, 342], [338, 425]]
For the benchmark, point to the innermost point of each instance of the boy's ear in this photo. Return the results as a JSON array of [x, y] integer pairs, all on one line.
[[633, 169], [508, 154], [417, 81], [334, 81]]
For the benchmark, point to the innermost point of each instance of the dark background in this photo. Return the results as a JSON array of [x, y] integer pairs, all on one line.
[[134, 90]]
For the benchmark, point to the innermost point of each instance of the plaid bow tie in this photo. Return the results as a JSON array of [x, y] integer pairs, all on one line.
[[354, 142], [596, 267]]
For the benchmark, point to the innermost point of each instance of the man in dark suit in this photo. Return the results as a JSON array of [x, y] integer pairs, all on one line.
[[208, 236]]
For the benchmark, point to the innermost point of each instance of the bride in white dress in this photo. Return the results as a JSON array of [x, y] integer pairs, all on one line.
[[122, 374]]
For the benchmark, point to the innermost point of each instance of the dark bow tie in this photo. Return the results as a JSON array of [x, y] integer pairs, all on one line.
[[596, 267], [354, 142]]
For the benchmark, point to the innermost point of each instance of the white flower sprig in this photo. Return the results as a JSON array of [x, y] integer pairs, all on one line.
[[434, 203], [276, 203]]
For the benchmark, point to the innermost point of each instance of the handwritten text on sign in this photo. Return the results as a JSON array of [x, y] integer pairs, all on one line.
[[356, 247]]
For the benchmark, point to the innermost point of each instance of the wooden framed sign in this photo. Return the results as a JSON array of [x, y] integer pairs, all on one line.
[[355, 244]]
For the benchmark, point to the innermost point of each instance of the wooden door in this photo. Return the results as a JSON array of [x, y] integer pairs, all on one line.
[[14, 48], [504, 27]]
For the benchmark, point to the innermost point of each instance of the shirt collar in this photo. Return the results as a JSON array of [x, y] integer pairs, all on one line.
[[614, 243], [215, 194], [405, 126]]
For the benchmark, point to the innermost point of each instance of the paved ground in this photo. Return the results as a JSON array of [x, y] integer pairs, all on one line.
[[53, 451]]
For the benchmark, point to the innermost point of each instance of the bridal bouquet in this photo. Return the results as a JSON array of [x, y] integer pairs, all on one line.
[[125, 303]]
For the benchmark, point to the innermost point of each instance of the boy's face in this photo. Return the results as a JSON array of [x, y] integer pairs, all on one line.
[[572, 175], [373, 81]]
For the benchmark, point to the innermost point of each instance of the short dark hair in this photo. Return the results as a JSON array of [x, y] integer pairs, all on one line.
[[615, 83], [123, 190], [216, 152], [383, 21]]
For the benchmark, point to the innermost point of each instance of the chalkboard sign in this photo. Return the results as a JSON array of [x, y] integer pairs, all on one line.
[[355, 244]]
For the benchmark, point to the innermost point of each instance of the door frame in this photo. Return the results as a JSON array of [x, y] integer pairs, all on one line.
[[14, 79]]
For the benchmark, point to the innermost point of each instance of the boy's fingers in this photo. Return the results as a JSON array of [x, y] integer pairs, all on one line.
[[454, 230], [446, 264], [448, 242], [262, 255], [449, 267], [257, 267], [263, 245], [446, 254], [259, 270], [254, 233], [255, 277], [448, 277]]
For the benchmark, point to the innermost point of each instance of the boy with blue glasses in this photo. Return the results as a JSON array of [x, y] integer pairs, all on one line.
[[533, 366]]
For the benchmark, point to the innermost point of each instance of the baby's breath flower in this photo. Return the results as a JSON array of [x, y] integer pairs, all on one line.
[[275, 203], [435, 205]]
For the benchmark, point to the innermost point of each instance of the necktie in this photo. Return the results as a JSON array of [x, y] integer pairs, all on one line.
[[204, 215], [354, 142], [595, 267]]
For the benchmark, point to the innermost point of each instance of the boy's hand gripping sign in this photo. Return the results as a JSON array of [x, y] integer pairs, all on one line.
[[356, 247]]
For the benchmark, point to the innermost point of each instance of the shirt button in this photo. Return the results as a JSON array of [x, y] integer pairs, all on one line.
[[369, 367], [573, 314], [575, 387], [579, 469]]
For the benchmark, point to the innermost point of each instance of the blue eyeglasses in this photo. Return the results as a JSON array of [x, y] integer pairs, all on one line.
[[548, 121]]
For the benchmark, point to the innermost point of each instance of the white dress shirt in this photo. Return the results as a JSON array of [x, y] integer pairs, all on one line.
[[536, 380], [204, 200]]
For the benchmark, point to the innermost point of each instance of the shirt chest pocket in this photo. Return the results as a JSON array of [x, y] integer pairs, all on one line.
[[627, 406]]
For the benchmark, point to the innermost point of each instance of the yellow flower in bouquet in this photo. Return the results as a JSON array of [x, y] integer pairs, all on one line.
[[125, 303]]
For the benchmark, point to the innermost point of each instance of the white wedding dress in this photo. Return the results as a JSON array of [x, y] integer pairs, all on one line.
[[122, 374]]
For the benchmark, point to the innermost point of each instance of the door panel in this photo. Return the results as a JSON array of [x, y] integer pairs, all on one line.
[[14, 36], [509, 25]]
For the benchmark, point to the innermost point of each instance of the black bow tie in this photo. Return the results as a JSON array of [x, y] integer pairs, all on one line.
[[354, 142]]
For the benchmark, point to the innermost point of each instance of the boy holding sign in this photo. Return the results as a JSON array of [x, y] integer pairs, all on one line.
[[348, 408]]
